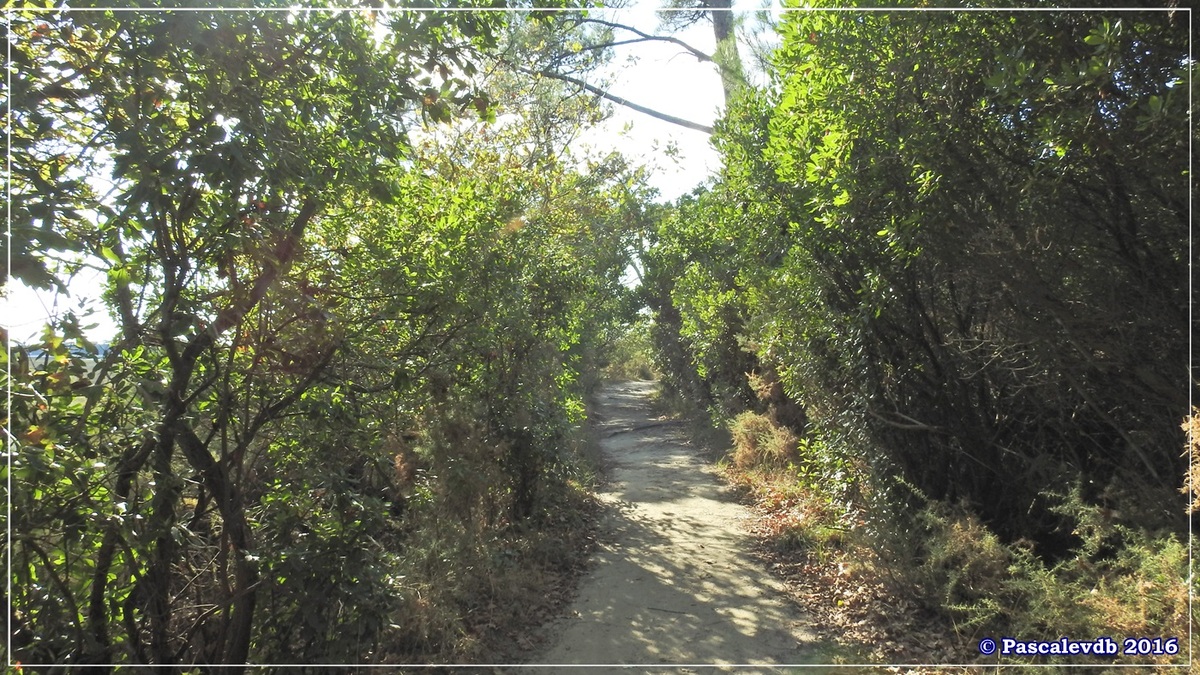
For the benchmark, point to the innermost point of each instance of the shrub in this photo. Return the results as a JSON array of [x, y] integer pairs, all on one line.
[[757, 441], [1120, 581]]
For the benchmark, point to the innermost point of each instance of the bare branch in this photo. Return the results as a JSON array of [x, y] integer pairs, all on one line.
[[618, 43], [701, 56], [621, 101]]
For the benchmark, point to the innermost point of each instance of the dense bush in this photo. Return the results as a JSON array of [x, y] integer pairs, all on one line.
[[958, 242], [964, 254], [348, 368], [1121, 581]]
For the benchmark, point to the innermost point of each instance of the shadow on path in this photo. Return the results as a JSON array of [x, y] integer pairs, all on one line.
[[674, 583]]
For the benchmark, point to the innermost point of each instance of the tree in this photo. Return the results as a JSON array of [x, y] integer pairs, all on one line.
[[352, 323], [579, 43], [682, 13], [959, 248], [223, 139]]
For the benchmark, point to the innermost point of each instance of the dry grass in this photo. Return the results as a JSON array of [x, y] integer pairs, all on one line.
[[757, 441], [1191, 483], [958, 581]]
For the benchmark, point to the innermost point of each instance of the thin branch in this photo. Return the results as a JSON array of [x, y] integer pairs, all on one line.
[[700, 56], [910, 424], [618, 43], [621, 101]]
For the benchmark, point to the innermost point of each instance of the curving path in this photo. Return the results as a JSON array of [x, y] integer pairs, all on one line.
[[674, 583]]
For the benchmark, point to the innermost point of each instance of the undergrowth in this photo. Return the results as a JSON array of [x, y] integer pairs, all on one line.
[[946, 564], [473, 584]]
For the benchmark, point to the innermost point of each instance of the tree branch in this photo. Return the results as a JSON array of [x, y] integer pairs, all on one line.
[[228, 498], [621, 101], [281, 258], [909, 424], [700, 56]]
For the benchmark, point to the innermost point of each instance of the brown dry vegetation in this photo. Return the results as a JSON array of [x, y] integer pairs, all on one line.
[[872, 594], [1191, 483]]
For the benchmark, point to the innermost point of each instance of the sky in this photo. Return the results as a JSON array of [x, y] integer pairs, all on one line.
[[667, 79], [657, 75], [663, 77]]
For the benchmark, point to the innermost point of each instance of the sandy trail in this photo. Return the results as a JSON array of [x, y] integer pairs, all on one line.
[[674, 581]]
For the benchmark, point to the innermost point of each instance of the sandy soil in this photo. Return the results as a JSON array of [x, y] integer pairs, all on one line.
[[674, 582]]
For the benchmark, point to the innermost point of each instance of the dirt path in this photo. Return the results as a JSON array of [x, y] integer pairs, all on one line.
[[674, 581]]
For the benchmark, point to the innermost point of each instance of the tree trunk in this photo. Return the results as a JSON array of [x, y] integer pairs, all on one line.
[[729, 63]]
